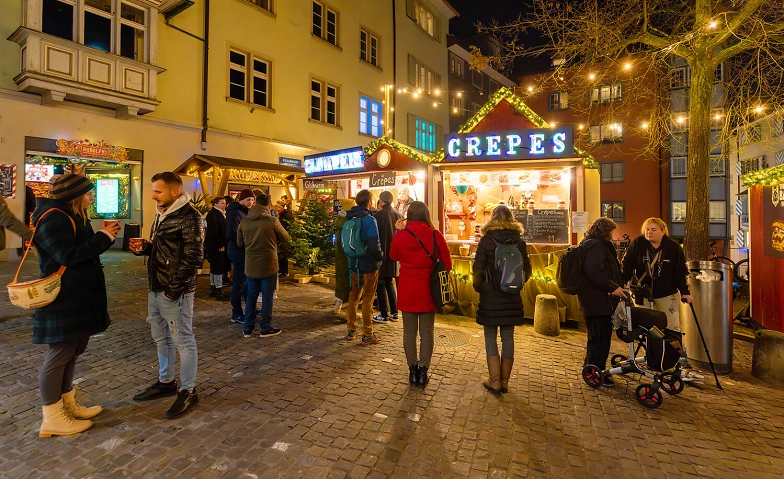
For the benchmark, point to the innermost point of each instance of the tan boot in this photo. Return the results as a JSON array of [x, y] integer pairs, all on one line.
[[76, 410], [57, 422], [506, 371], [493, 383]]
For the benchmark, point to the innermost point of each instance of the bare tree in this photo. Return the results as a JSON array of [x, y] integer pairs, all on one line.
[[592, 39]]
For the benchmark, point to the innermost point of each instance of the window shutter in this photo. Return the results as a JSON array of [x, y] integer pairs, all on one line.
[[410, 9], [564, 97], [412, 69], [411, 130], [437, 80], [436, 28], [439, 137]]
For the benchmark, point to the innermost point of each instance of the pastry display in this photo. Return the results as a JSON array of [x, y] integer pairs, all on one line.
[[777, 235]]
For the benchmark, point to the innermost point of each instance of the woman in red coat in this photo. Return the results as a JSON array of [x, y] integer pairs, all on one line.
[[414, 299]]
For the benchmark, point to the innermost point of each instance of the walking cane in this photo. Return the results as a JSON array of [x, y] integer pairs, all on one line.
[[697, 322]]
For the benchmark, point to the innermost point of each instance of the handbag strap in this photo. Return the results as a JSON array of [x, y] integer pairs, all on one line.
[[423, 245], [30, 242]]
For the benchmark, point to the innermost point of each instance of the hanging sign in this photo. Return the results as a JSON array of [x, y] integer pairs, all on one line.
[[533, 144], [87, 149], [335, 162], [383, 180], [290, 161]]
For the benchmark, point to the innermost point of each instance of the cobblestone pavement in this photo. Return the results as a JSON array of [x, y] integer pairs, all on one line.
[[309, 404]]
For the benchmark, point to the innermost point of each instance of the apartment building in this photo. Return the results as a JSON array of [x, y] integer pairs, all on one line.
[[256, 80]]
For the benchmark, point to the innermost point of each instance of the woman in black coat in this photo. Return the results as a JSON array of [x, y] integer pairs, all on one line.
[[215, 243], [498, 309], [64, 237], [600, 290]]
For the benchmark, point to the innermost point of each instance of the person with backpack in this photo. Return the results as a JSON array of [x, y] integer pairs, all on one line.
[[412, 246], [500, 270], [359, 240], [600, 289]]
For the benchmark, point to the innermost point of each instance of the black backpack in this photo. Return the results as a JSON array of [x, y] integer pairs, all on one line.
[[569, 276]]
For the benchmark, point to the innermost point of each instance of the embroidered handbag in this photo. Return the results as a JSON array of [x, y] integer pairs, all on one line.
[[40, 292]]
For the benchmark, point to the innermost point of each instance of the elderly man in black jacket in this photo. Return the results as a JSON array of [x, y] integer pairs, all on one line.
[[176, 251], [386, 217]]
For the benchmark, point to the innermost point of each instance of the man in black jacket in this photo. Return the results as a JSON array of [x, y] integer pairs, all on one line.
[[386, 217], [235, 213], [176, 251], [215, 246]]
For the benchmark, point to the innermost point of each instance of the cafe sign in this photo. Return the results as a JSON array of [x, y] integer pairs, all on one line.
[[533, 144], [88, 149]]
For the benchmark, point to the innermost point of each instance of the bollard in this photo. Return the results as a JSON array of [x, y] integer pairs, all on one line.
[[767, 362], [546, 318]]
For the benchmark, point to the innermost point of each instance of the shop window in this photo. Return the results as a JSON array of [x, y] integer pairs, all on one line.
[[559, 100], [717, 212], [263, 4], [370, 112], [324, 99], [456, 65], [678, 167], [606, 133], [424, 17], [325, 23], [249, 78], [615, 210], [368, 47], [678, 211], [607, 93], [424, 135], [612, 172], [423, 77]]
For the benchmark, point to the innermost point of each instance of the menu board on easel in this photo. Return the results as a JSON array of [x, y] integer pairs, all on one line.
[[544, 226]]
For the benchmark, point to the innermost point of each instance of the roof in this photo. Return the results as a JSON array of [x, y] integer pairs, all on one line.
[[446, 9], [197, 163]]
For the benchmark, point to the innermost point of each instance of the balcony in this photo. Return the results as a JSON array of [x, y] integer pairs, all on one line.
[[59, 69]]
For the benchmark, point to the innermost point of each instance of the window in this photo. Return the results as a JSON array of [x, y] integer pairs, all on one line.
[[606, 133], [263, 4], [559, 100], [424, 135], [750, 135], [97, 25], [754, 164], [368, 47], [680, 77], [457, 106], [612, 172], [718, 73], [456, 65], [717, 211], [324, 99], [678, 211], [476, 78], [615, 210], [718, 166], [370, 112], [422, 77], [249, 78], [424, 17], [678, 167], [679, 144], [325, 23], [493, 86], [606, 93]]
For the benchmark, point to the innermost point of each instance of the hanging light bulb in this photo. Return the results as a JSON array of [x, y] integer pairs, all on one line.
[[644, 125], [454, 110], [627, 66], [592, 76], [759, 109], [580, 126], [400, 90], [713, 24], [530, 88], [459, 94], [437, 92], [435, 104], [416, 94]]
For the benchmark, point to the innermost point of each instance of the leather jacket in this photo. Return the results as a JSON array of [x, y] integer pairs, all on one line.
[[176, 252]]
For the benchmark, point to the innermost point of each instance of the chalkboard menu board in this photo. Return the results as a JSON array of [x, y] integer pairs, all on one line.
[[544, 226]]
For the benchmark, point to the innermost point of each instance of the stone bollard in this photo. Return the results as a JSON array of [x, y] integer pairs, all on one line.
[[546, 318], [767, 363]]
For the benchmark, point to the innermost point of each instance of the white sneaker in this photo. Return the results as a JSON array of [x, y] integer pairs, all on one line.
[[692, 375]]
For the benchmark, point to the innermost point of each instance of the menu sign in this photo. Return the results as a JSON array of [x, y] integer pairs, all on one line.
[[314, 183], [544, 226], [383, 180]]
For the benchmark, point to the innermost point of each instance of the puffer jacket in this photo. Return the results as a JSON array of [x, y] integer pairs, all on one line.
[[497, 308], [176, 249], [602, 276], [372, 260]]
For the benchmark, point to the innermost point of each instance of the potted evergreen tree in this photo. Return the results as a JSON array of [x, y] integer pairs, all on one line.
[[311, 245]]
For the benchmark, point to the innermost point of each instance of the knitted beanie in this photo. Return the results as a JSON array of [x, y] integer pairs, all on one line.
[[246, 193], [69, 187]]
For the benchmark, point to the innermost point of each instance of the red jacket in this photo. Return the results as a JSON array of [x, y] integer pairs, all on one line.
[[413, 288]]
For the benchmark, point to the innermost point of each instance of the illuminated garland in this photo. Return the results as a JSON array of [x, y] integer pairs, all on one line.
[[520, 107], [467, 278], [463, 278], [767, 177], [404, 149]]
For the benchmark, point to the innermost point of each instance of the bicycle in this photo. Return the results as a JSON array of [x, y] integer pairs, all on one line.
[[740, 270]]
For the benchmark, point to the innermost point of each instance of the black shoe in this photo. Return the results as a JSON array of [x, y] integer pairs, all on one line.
[[184, 402], [213, 291], [157, 390], [220, 295], [238, 321], [608, 383], [270, 332], [413, 374], [423, 379]]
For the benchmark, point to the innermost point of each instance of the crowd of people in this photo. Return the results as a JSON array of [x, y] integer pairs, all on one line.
[[382, 254]]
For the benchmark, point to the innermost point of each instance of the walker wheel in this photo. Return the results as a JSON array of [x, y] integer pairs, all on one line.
[[648, 396], [670, 385], [592, 376], [618, 359]]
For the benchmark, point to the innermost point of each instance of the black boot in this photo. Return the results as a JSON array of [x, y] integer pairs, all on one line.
[[220, 295], [213, 290], [413, 374], [423, 379]]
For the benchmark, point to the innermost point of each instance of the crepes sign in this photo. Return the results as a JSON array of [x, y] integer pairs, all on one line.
[[533, 144]]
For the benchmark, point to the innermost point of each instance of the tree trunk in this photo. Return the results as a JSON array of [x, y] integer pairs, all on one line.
[[698, 163]]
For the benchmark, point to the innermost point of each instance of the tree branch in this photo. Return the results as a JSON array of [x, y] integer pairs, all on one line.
[[743, 14]]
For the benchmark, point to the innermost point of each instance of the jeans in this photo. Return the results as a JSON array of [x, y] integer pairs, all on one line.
[[386, 288], [425, 322], [507, 341], [57, 372], [366, 291], [267, 287], [171, 323], [238, 284], [216, 280], [599, 339]]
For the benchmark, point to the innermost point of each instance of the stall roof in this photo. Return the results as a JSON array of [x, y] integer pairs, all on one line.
[[203, 163]]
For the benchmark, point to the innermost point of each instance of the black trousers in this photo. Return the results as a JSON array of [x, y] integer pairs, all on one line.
[[57, 372], [599, 338]]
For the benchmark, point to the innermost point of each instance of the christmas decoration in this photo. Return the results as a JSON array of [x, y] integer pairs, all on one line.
[[766, 177], [85, 148], [404, 149], [311, 245]]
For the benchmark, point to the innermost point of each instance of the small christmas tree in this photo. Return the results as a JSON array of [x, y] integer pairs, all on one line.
[[311, 231]]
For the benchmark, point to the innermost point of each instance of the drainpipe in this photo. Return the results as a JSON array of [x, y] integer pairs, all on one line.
[[394, 70], [205, 79]]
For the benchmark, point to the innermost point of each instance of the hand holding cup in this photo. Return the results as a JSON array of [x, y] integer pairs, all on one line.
[[137, 245]]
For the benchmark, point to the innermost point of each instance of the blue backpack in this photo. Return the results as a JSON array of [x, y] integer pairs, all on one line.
[[509, 265], [354, 247]]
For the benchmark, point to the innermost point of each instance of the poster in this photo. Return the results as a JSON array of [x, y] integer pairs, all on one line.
[[8, 181], [773, 220], [107, 197]]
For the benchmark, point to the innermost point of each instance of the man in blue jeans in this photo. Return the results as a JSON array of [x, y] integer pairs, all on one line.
[[235, 213], [176, 251], [259, 234]]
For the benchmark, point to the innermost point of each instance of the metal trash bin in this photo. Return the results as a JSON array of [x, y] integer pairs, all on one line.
[[710, 284]]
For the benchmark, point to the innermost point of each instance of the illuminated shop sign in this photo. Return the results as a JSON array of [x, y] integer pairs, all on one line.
[[534, 144], [88, 149], [335, 162]]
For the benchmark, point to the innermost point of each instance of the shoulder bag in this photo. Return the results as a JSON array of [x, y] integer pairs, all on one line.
[[440, 284]]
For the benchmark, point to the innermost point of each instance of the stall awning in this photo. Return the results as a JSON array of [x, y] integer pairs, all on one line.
[[204, 163]]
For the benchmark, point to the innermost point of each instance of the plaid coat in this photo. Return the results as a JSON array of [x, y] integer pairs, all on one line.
[[81, 307]]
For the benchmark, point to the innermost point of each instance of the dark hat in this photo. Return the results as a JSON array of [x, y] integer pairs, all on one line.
[[386, 197], [69, 187], [246, 193]]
